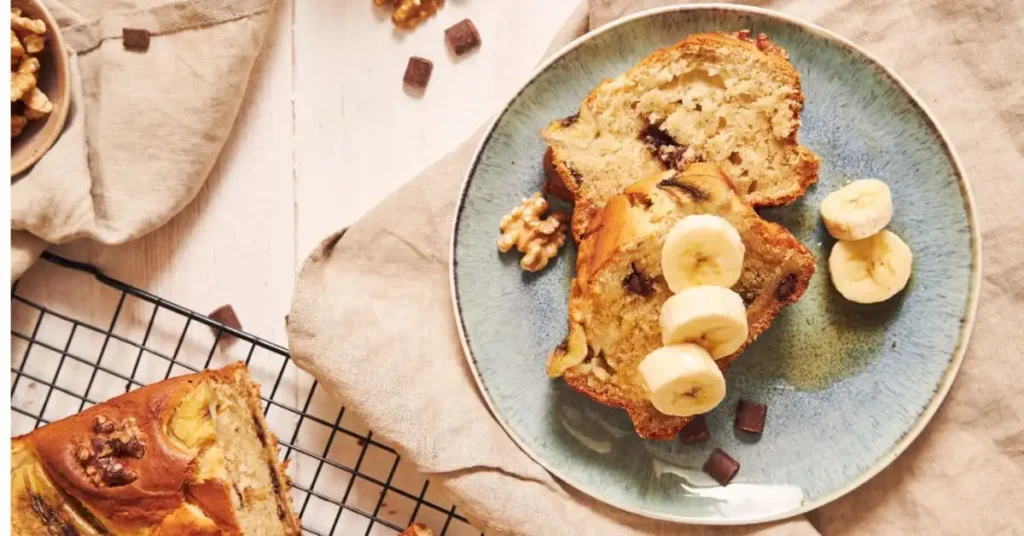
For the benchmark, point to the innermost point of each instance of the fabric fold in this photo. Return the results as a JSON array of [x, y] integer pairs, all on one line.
[[144, 128]]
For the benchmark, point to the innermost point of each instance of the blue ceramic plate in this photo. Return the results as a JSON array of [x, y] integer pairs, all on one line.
[[848, 386]]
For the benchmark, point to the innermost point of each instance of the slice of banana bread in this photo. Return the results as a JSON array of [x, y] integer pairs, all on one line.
[[719, 98], [616, 297], [190, 455]]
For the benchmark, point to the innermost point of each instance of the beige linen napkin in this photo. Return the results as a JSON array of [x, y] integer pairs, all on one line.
[[144, 129], [371, 317]]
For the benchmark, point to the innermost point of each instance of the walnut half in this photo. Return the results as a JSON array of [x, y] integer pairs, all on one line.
[[537, 237], [100, 456], [408, 14]]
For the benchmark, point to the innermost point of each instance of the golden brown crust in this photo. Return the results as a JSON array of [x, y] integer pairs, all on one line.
[[614, 229], [161, 494], [556, 184], [162, 472]]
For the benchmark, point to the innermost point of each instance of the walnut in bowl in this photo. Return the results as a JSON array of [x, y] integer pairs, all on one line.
[[40, 83]]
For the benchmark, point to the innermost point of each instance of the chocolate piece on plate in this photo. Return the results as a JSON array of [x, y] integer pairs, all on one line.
[[695, 432], [135, 38], [462, 37], [750, 416], [417, 72], [721, 466]]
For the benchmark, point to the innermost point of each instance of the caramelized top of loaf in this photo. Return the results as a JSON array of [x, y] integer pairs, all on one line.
[[190, 455], [717, 98], [616, 297]]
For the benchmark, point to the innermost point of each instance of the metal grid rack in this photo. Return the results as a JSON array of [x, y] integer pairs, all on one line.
[[318, 464]]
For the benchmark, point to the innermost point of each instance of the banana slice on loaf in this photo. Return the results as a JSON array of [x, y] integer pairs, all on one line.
[[725, 99], [616, 299]]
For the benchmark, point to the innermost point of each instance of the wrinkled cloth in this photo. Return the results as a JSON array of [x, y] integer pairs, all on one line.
[[372, 316], [144, 129]]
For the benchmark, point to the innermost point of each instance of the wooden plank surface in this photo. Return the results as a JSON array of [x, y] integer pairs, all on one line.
[[326, 131], [360, 134]]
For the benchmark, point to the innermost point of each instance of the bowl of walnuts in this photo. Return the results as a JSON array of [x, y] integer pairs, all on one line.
[[40, 83]]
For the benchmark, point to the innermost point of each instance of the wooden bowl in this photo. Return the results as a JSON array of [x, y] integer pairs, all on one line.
[[54, 80]]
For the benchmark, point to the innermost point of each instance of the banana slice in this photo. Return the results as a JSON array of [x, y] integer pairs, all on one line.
[[702, 250], [682, 380], [870, 270], [712, 317], [858, 210]]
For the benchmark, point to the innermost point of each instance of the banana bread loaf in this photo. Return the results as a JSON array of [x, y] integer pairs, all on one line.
[[187, 456]]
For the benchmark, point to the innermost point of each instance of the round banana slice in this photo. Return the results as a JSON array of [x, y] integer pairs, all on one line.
[[682, 380], [870, 270], [711, 317], [857, 210], [702, 250]]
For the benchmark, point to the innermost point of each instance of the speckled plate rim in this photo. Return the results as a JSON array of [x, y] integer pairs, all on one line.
[[965, 331]]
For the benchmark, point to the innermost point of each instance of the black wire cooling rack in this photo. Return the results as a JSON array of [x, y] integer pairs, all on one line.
[[396, 505]]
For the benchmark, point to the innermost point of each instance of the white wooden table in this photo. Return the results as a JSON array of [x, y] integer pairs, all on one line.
[[326, 131]]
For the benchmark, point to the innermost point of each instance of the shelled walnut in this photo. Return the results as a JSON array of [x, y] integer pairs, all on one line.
[[762, 42], [537, 237], [417, 529], [101, 457], [28, 102], [408, 14]]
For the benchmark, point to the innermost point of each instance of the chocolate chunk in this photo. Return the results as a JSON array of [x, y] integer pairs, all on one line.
[[135, 39], [225, 314], [662, 146], [721, 466], [638, 283], [417, 72], [786, 287], [696, 431], [651, 134], [462, 37], [639, 199], [695, 193], [750, 416], [569, 121]]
